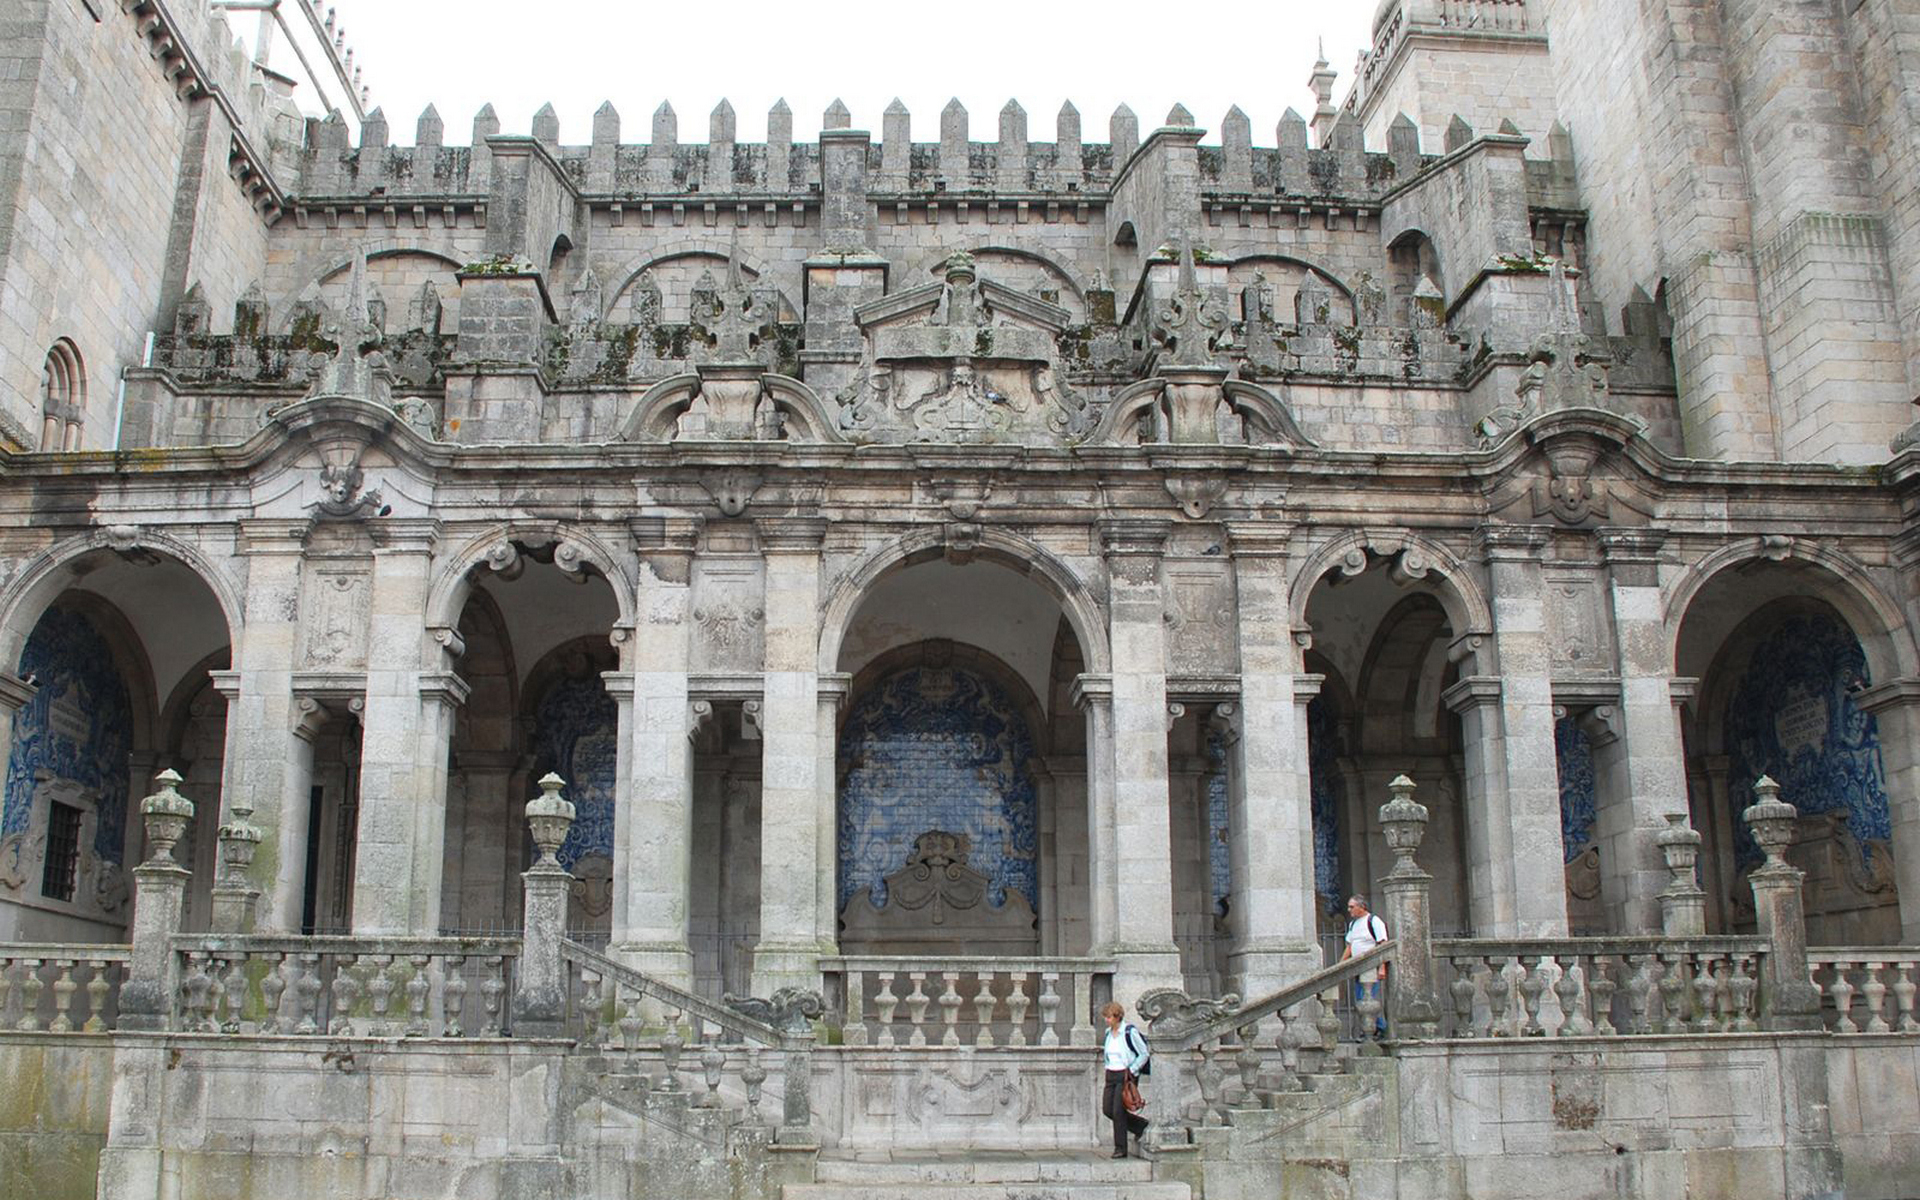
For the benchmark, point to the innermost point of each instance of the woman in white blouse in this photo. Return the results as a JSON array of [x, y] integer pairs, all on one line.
[[1125, 1055]]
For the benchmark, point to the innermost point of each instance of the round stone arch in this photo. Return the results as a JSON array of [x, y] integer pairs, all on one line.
[[1468, 613], [1832, 576], [1010, 551], [54, 570], [452, 584], [318, 269], [756, 270]]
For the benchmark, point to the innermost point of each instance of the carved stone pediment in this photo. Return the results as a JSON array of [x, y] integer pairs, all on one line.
[[961, 360]]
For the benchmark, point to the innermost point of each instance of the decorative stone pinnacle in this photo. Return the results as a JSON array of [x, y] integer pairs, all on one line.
[[166, 814], [1404, 822], [1771, 820], [1680, 843], [549, 817], [239, 839]]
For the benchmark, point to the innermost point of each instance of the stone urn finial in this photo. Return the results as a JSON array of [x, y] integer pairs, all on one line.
[[1771, 820], [166, 814], [1679, 842], [239, 838], [1404, 821], [549, 816]]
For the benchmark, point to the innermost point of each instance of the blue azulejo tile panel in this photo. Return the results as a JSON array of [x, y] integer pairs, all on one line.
[[1573, 754], [78, 726], [1329, 793], [576, 735], [1792, 716], [1219, 860], [937, 748]]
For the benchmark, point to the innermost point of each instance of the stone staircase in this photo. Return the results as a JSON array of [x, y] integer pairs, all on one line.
[[983, 1175]]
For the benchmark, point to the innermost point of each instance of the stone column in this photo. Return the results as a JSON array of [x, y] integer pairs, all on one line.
[[1791, 1001], [791, 939], [160, 893], [1270, 815], [653, 822], [1413, 1002], [1655, 791], [262, 747], [400, 841], [1142, 940], [832, 693], [15, 694], [540, 986], [1895, 704], [1093, 696], [1513, 781]]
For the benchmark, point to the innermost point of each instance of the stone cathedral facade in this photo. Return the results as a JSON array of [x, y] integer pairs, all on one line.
[[972, 546]]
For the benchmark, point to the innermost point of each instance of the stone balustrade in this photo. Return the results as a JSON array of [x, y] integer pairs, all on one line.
[[345, 986], [982, 1002], [1602, 987], [60, 988], [1867, 989]]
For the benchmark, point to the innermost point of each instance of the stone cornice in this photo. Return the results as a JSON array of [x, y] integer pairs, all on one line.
[[15, 692], [1472, 692]]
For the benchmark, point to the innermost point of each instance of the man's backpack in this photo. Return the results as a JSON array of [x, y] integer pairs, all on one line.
[[1137, 1043]]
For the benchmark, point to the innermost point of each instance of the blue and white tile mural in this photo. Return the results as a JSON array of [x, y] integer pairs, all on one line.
[[1573, 753], [1792, 716], [1329, 792], [78, 726], [1219, 860], [577, 736], [937, 748]]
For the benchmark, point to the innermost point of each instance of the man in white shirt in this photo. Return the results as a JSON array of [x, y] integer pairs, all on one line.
[[1365, 931]]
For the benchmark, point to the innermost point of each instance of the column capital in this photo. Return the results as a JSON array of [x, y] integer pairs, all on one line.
[[445, 687], [1259, 539], [1888, 696], [1509, 543], [1630, 545], [667, 544], [1133, 535], [791, 535], [1474, 691], [269, 535], [1090, 690], [227, 683], [834, 686], [15, 692], [404, 535]]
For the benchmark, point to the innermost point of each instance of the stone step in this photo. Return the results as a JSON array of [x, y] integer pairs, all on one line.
[[983, 1175]]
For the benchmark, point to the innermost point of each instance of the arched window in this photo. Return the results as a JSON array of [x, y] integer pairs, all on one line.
[[63, 398]]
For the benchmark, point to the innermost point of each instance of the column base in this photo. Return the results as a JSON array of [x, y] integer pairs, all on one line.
[[778, 966], [1262, 969], [669, 962], [1142, 967]]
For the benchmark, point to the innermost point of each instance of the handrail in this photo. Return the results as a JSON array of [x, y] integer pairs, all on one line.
[[1313, 985], [358, 944], [1825, 954], [101, 952], [706, 1010], [1631, 944]]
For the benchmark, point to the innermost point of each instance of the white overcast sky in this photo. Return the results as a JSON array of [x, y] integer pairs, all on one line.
[[577, 53]]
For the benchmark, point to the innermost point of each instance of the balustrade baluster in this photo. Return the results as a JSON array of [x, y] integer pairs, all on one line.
[[1049, 1008], [1743, 987], [97, 988], [453, 1001], [417, 987], [630, 1025], [63, 989], [380, 985], [1533, 984], [196, 985], [1566, 991], [1329, 1021], [754, 1076], [1723, 973], [306, 995], [1873, 991], [233, 990], [917, 1001], [492, 990], [1601, 986], [1017, 1002], [592, 999], [1673, 993], [1462, 990], [670, 1046], [950, 1008], [711, 1061], [983, 1003], [1639, 991], [1843, 989], [1287, 1042], [856, 1027], [273, 989], [1211, 1075], [6, 988], [885, 1003], [346, 994], [1704, 987], [1247, 1059], [1499, 997], [31, 986], [1082, 1034], [1903, 993]]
